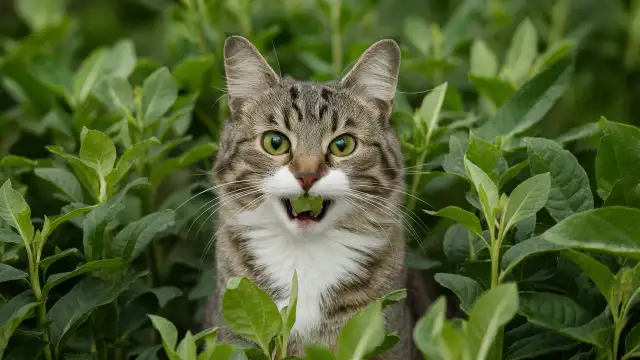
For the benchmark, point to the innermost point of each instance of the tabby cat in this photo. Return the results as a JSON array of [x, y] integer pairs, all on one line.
[[333, 142]]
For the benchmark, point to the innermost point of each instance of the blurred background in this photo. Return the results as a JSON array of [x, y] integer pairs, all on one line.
[[41, 41]]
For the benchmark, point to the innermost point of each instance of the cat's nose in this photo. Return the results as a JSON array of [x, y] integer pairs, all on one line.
[[306, 180], [308, 170]]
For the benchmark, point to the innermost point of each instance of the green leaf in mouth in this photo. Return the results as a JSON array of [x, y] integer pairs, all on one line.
[[304, 202]]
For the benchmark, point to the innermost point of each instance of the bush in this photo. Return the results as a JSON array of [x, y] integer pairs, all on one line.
[[522, 198]]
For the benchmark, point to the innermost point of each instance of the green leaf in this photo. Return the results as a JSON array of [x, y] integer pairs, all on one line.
[[618, 156], [250, 312], [168, 333], [570, 191], [453, 162], [417, 32], [187, 348], [456, 28], [579, 132], [632, 341], [128, 159], [88, 75], [486, 188], [50, 226], [530, 103], [15, 211], [64, 181], [134, 238], [56, 279], [159, 92], [483, 61], [318, 352], [491, 311], [527, 199], [427, 334], [160, 171], [612, 230], [87, 175], [8, 236], [98, 149], [390, 340], [116, 94], [555, 52], [497, 90], [486, 156], [363, 333], [75, 307], [461, 216], [289, 315], [466, 289], [522, 53], [164, 294], [9, 273], [40, 15], [597, 272], [429, 111], [12, 313], [190, 73], [94, 225], [121, 60], [523, 250], [48, 261], [536, 344], [17, 162], [562, 314], [512, 172], [460, 244]]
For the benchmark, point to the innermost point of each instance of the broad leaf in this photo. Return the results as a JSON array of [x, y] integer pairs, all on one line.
[[160, 171], [168, 333], [115, 93], [562, 314], [527, 199], [75, 307], [159, 92], [51, 225], [530, 103], [250, 312], [87, 174], [56, 279], [64, 181], [121, 60], [15, 211], [12, 313], [190, 73], [318, 352], [98, 150], [128, 159], [486, 189], [461, 216], [522, 53], [523, 250], [88, 75], [491, 311], [466, 289], [632, 341], [165, 294], [9, 273], [570, 191], [618, 156], [289, 311], [134, 238], [428, 332], [612, 230], [363, 333], [599, 273], [483, 60], [8, 236], [453, 162], [460, 244], [48, 261], [187, 347], [534, 342], [429, 111], [486, 156], [497, 90]]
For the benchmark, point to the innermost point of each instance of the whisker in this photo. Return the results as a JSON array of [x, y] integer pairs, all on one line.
[[210, 189]]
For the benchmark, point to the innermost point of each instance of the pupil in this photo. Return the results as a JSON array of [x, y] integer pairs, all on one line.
[[276, 142], [341, 144]]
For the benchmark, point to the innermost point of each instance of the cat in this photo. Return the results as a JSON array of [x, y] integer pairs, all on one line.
[[335, 140]]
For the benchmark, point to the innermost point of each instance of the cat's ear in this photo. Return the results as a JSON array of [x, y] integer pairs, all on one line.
[[375, 75], [248, 73]]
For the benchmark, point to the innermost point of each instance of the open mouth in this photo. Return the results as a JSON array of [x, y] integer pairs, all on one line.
[[306, 208]]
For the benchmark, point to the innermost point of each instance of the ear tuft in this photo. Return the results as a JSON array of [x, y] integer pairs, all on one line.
[[375, 75], [248, 73]]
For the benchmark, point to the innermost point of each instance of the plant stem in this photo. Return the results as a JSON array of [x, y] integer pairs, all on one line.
[[415, 182], [619, 324], [336, 39], [41, 312]]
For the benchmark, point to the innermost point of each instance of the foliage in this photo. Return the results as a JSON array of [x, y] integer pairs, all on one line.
[[522, 162]]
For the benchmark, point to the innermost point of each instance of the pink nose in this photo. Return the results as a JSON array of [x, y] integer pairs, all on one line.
[[307, 180]]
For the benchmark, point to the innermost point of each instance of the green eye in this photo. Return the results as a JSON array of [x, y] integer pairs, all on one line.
[[343, 145], [275, 143]]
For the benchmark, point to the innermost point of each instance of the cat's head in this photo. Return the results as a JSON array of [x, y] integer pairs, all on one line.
[[333, 140]]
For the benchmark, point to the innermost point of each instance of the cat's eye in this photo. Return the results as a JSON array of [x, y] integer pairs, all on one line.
[[343, 145], [275, 143]]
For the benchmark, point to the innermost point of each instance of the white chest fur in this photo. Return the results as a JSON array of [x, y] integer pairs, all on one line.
[[319, 262]]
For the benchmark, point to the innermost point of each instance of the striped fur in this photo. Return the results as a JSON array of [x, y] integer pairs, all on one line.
[[357, 253]]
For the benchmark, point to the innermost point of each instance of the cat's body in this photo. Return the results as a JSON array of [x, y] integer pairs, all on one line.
[[339, 145]]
